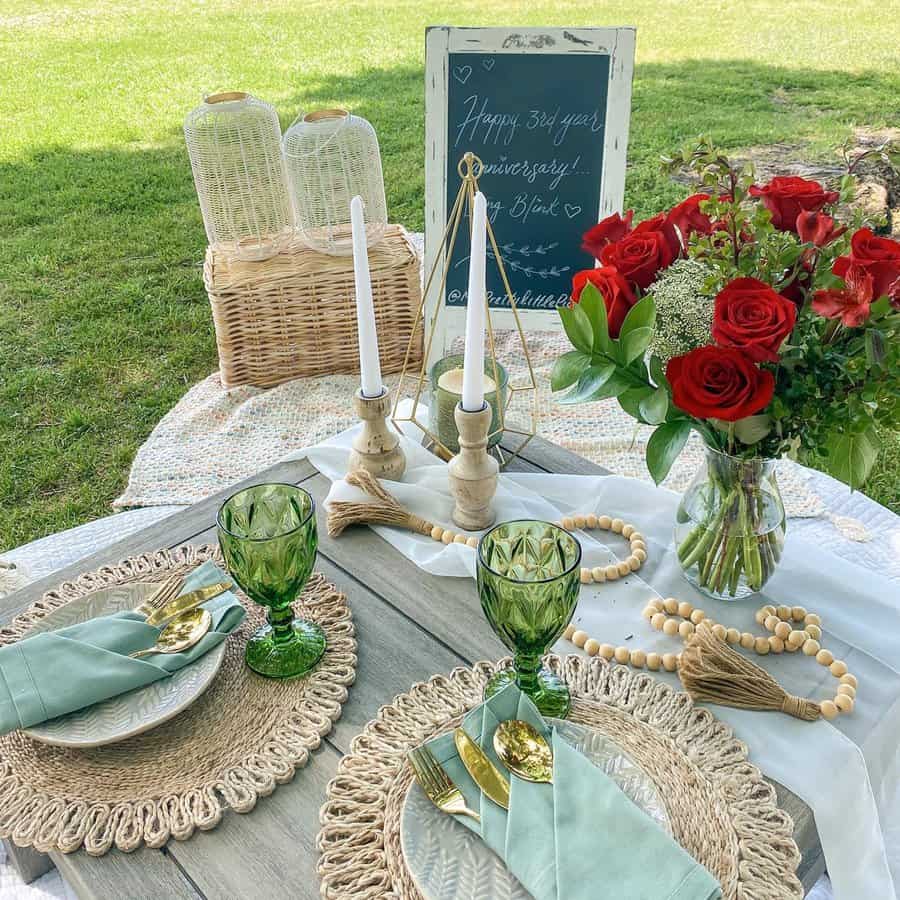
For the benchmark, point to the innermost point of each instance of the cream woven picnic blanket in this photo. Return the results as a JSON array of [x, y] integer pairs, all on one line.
[[213, 438]]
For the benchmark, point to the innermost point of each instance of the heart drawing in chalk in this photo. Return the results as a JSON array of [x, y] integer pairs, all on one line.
[[488, 63], [572, 210], [462, 73]]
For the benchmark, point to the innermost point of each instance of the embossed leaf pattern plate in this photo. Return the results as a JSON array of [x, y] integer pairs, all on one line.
[[134, 712], [449, 862]]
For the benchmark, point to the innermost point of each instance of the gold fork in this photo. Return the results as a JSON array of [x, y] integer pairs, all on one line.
[[167, 591], [436, 783]]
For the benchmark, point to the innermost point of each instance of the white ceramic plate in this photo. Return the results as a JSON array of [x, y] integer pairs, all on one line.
[[449, 862], [127, 714]]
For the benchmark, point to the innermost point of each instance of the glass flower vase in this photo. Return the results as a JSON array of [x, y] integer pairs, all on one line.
[[730, 526]]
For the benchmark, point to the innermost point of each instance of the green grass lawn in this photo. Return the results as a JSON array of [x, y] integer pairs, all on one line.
[[104, 322]]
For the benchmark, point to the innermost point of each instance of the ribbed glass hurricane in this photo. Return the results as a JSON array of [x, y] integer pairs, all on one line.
[[268, 538], [528, 582]]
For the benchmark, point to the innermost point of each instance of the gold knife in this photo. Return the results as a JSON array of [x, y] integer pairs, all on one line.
[[187, 601], [484, 773]]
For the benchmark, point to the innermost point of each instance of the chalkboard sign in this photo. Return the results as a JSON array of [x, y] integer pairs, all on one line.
[[546, 111]]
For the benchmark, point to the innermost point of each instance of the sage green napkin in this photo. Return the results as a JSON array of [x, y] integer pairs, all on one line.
[[578, 838], [56, 672]]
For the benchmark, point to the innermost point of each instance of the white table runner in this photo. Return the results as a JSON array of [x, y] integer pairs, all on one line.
[[848, 771]]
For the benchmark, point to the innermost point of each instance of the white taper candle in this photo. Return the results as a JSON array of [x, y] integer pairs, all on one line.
[[369, 363], [473, 363]]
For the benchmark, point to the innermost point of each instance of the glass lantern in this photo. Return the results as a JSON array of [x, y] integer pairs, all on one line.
[[234, 142], [331, 157]]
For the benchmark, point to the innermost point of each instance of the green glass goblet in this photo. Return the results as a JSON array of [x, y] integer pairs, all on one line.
[[268, 538], [528, 582]]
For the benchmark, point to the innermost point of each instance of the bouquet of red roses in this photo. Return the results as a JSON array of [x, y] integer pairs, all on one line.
[[750, 314]]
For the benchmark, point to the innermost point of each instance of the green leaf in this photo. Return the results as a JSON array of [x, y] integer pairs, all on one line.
[[752, 429], [568, 369], [595, 309], [631, 401], [635, 343], [654, 407], [615, 386], [637, 330], [850, 457], [874, 347], [664, 446], [880, 308], [641, 315], [578, 327], [589, 383], [658, 372]]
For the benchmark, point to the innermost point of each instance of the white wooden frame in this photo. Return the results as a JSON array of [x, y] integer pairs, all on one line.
[[442, 40]]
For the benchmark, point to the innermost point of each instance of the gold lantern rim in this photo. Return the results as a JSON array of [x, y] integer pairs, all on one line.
[[319, 115], [226, 97]]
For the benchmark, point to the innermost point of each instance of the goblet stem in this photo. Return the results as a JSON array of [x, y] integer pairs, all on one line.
[[281, 619], [527, 666]]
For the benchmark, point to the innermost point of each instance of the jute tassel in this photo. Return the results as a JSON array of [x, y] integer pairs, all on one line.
[[712, 672], [387, 511]]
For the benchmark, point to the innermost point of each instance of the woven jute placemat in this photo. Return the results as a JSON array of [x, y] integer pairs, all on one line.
[[236, 743], [720, 808]]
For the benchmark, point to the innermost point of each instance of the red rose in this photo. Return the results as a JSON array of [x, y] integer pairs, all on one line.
[[879, 256], [753, 317], [615, 290], [644, 252], [688, 218], [851, 305], [719, 383], [818, 228], [786, 197], [612, 228]]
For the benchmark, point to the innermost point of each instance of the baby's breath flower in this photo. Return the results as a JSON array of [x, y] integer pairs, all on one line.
[[684, 309]]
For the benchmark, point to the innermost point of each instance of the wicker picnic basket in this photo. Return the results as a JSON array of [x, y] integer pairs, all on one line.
[[294, 314]]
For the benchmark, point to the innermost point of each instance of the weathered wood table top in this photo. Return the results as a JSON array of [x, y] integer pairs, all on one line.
[[410, 625]]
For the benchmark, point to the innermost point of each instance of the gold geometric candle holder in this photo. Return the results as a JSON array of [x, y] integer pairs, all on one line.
[[417, 376]]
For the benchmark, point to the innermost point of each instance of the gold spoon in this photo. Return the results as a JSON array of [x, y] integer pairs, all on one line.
[[182, 633], [524, 751]]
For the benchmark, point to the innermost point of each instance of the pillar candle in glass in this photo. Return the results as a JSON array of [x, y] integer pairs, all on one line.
[[445, 381], [473, 367], [369, 363]]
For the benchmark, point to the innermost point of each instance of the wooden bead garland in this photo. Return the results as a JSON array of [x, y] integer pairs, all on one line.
[[388, 511], [707, 641], [447, 536], [598, 574], [632, 563], [663, 614]]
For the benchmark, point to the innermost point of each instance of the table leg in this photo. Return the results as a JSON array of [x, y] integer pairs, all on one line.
[[27, 862]]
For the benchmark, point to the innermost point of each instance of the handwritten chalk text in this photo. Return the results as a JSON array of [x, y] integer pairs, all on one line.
[[528, 299], [480, 123], [529, 171], [558, 124]]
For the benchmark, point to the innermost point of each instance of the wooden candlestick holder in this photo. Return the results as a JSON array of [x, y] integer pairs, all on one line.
[[377, 447], [473, 472]]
